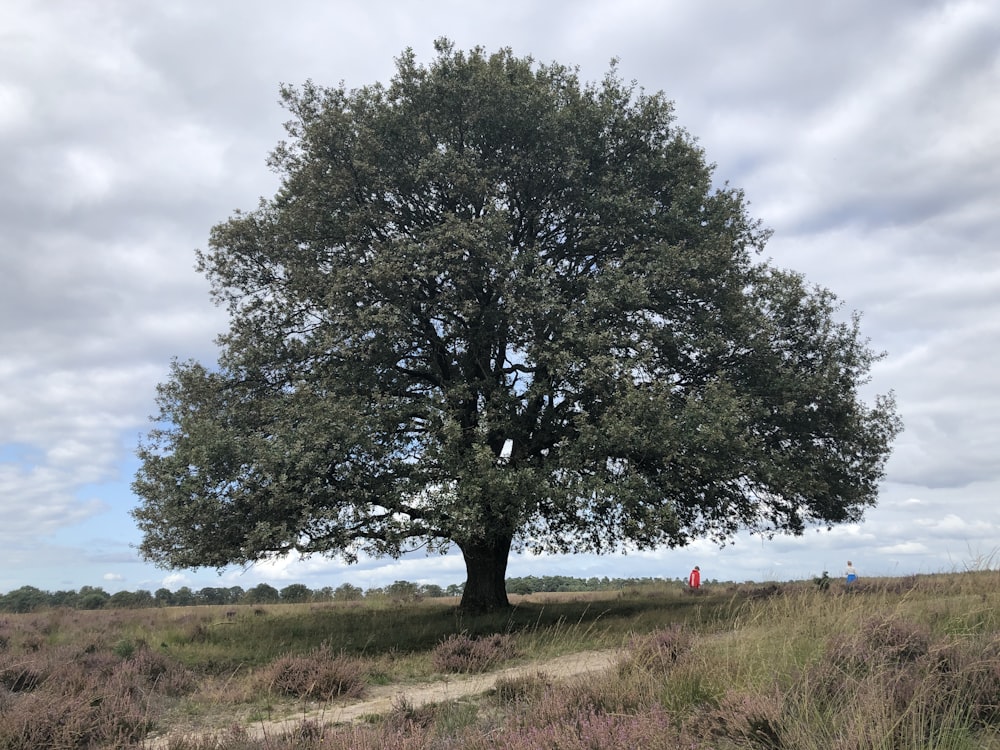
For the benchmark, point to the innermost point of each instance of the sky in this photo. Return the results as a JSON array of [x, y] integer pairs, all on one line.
[[864, 134]]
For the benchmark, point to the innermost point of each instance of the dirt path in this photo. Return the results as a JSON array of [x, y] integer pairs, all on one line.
[[380, 700]]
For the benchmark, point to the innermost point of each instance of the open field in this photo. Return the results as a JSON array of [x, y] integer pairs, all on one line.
[[895, 663]]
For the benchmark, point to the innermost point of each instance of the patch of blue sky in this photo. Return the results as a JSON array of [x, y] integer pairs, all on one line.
[[25, 455]]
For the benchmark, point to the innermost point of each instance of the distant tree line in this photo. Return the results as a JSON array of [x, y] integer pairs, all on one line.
[[31, 599]]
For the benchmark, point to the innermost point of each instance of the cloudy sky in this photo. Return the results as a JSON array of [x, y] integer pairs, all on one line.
[[867, 135]]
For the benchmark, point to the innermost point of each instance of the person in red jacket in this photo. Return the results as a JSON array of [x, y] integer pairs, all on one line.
[[694, 580]]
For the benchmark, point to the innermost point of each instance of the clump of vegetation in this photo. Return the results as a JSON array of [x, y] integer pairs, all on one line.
[[462, 653], [652, 730], [318, 675], [658, 651], [521, 688], [66, 698]]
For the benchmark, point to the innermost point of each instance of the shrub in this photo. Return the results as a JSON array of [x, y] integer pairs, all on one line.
[[126, 647], [460, 653], [751, 719], [880, 641], [895, 640], [81, 711], [158, 672], [971, 672], [658, 651], [891, 685], [319, 675], [651, 730], [520, 688], [21, 676], [405, 717]]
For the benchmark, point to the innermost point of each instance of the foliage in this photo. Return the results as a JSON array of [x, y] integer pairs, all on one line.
[[487, 250], [346, 592], [402, 591], [295, 593], [262, 593], [24, 599]]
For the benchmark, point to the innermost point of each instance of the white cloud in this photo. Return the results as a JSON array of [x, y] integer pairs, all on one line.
[[904, 548], [953, 526], [15, 109], [174, 581]]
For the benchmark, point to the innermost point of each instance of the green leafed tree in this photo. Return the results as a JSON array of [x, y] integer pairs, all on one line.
[[347, 592], [483, 252], [295, 593]]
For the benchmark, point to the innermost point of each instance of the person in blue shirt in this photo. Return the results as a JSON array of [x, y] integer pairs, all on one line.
[[850, 573]]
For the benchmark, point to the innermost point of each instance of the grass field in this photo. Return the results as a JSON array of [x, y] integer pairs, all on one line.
[[895, 663]]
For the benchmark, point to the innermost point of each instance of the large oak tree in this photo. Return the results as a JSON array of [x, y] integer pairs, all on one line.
[[488, 250]]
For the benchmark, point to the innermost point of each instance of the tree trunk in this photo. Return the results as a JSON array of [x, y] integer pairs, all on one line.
[[486, 574]]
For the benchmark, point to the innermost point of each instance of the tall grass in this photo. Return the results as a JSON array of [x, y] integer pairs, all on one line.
[[894, 664]]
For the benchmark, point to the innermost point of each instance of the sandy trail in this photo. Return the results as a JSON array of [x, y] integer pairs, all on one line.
[[381, 699]]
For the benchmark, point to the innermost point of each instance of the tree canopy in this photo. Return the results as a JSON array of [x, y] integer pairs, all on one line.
[[486, 250]]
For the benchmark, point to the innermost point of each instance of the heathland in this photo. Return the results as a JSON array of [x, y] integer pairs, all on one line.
[[890, 663]]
